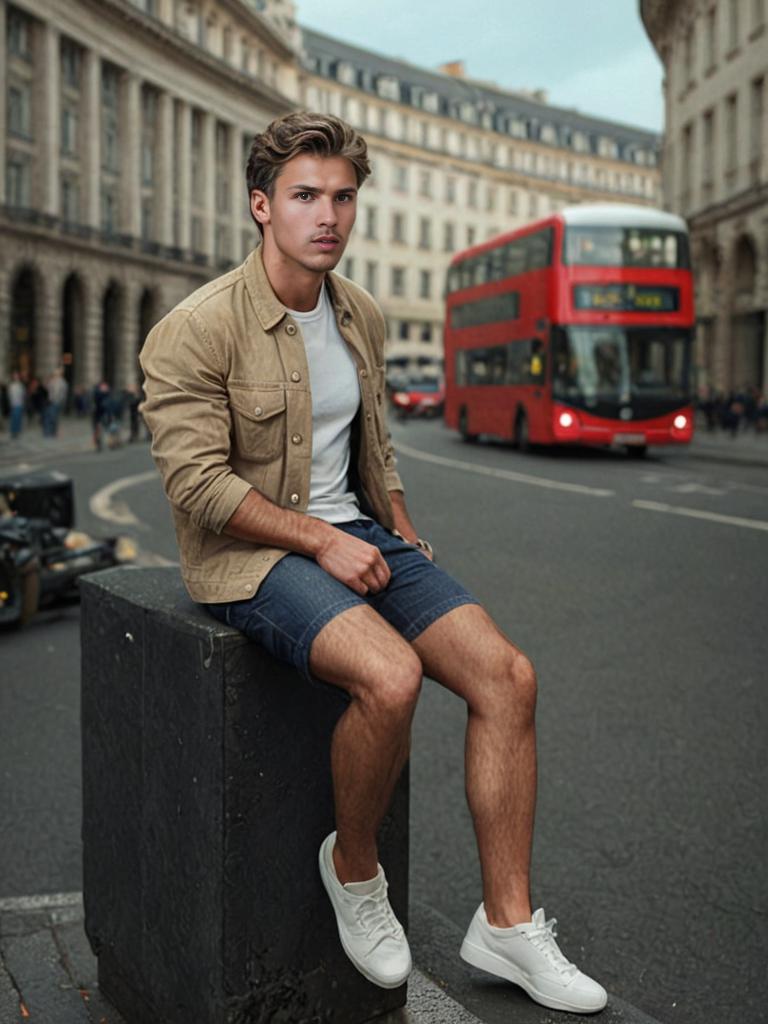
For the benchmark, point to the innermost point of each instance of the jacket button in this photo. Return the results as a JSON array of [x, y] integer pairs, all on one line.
[[258, 411], [295, 376], [363, 373], [297, 438], [294, 499], [290, 329], [248, 588]]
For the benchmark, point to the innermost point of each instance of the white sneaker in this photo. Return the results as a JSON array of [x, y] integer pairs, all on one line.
[[529, 956], [371, 935]]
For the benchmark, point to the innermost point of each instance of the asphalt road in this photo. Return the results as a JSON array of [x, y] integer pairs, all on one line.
[[639, 590]]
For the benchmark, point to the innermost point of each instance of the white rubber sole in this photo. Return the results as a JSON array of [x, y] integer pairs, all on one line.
[[328, 881], [494, 964]]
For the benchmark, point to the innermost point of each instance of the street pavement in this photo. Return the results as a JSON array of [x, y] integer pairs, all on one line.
[[639, 590]]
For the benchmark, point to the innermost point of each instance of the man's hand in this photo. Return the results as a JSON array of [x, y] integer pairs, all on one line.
[[359, 565]]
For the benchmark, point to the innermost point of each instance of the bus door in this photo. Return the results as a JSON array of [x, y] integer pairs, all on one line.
[[538, 400]]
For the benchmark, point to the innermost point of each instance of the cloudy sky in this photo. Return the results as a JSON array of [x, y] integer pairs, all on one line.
[[590, 54]]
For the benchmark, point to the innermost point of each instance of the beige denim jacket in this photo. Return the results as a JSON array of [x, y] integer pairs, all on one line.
[[229, 406]]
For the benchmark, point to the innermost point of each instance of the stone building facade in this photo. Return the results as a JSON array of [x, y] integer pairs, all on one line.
[[123, 138], [715, 173]]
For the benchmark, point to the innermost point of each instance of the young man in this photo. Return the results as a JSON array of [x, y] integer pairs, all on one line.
[[265, 399]]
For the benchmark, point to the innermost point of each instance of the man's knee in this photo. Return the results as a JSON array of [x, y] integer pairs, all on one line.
[[512, 684], [392, 685]]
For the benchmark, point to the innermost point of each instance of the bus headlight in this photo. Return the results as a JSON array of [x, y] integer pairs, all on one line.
[[566, 419], [680, 422]]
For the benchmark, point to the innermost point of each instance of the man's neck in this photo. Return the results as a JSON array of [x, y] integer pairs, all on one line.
[[294, 286]]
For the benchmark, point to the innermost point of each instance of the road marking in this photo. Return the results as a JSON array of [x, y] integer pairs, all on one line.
[[16, 904], [103, 505], [502, 474], [695, 513], [694, 488]]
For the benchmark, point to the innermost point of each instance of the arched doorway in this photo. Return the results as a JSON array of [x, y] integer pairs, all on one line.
[[110, 333], [748, 323], [73, 331], [24, 300], [147, 319]]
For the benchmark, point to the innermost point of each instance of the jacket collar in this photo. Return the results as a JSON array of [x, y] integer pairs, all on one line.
[[269, 309]]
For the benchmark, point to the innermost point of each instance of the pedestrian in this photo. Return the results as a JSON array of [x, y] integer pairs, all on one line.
[[100, 412], [258, 390], [17, 400], [58, 389], [39, 401]]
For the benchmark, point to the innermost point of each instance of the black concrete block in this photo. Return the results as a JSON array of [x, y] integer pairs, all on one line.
[[206, 794]]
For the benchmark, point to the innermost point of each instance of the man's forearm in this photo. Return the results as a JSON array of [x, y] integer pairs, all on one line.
[[259, 520], [403, 523]]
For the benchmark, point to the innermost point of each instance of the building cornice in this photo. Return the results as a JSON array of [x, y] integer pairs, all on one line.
[[658, 16], [739, 205]]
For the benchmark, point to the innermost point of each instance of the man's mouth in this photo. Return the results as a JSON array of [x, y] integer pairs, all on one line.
[[326, 242]]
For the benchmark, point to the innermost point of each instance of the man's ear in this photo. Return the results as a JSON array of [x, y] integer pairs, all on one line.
[[260, 206]]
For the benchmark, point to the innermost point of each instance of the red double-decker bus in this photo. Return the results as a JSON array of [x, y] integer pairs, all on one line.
[[577, 329]]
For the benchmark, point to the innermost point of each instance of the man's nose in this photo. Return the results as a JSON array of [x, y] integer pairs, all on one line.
[[326, 211]]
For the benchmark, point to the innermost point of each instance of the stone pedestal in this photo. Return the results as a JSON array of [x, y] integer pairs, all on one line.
[[206, 794]]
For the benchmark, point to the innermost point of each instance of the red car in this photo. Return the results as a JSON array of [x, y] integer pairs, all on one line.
[[422, 397]]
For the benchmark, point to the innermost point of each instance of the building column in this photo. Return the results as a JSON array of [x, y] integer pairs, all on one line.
[[164, 175], [208, 161], [4, 94], [93, 315], [237, 192], [128, 345], [5, 320], [48, 309], [165, 11], [50, 122], [92, 133], [130, 156], [184, 165], [723, 354]]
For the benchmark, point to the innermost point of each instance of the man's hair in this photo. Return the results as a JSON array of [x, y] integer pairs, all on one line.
[[303, 132]]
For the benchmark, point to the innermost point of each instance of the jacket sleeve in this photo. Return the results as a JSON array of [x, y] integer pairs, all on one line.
[[186, 408], [392, 479]]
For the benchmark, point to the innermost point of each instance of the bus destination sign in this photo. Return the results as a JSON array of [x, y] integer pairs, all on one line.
[[626, 298]]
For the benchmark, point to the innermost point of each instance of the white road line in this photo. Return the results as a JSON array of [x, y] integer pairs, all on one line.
[[695, 513], [502, 474], [103, 505], [16, 904]]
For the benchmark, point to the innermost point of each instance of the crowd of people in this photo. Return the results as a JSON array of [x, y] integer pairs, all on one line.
[[30, 403], [737, 411]]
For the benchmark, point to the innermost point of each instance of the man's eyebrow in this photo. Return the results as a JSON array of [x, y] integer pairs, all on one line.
[[314, 189]]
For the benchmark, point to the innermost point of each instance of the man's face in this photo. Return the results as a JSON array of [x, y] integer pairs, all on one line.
[[310, 216]]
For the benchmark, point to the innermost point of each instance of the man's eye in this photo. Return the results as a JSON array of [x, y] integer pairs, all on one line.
[[345, 197], [303, 195]]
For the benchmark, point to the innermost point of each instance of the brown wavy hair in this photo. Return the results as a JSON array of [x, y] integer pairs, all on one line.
[[303, 132]]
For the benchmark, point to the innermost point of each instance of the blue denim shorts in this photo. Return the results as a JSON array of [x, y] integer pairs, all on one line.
[[298, 598]]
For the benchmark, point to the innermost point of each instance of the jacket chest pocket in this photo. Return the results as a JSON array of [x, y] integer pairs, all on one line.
[[258, 422]]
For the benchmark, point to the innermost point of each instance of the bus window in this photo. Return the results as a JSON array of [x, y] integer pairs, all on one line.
[[536, 364], [539, 250], [497, 263], [514, 257], [625, 247], [497, 364], [478, 366]]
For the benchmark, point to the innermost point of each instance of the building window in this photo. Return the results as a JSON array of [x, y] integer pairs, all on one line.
[[146, 219], [450, 190], [533, 205], [69, 131], [20, 110], [70, 200], [70, 64], [425, 184], [17, 181], [471, 235], [472, 194], [349, 267], [398, 281], [371, 276], [711, 38], [708, 147], [490, 199], [425, 233], [425, 333], [108, 211], [400, 177], [512, 203], [690, 56], [733, 24], [732, 135], [449, 237], [19, 34], [404, 331], [370, 222], [398, 228], [757, 108], [425, 284], [758, 15]]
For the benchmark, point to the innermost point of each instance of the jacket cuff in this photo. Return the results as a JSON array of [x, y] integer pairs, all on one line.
[[392, 480], [220, 510]]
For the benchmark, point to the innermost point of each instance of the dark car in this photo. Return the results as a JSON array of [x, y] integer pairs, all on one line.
[[424, 396]]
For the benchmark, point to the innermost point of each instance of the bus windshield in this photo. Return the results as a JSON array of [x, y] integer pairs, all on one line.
[[595, 365], [625, 247]]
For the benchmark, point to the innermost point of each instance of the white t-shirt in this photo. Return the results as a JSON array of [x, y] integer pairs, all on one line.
[[335, 401]]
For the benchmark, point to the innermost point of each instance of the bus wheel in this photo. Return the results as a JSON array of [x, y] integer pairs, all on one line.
[[636, 451], [464, 428], [522, 435]]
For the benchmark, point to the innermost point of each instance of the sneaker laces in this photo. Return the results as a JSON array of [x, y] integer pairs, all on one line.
[[374, 914], [542, 938]]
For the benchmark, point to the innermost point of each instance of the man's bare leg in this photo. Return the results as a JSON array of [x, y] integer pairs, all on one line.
[[466, 652], [362, 654]]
